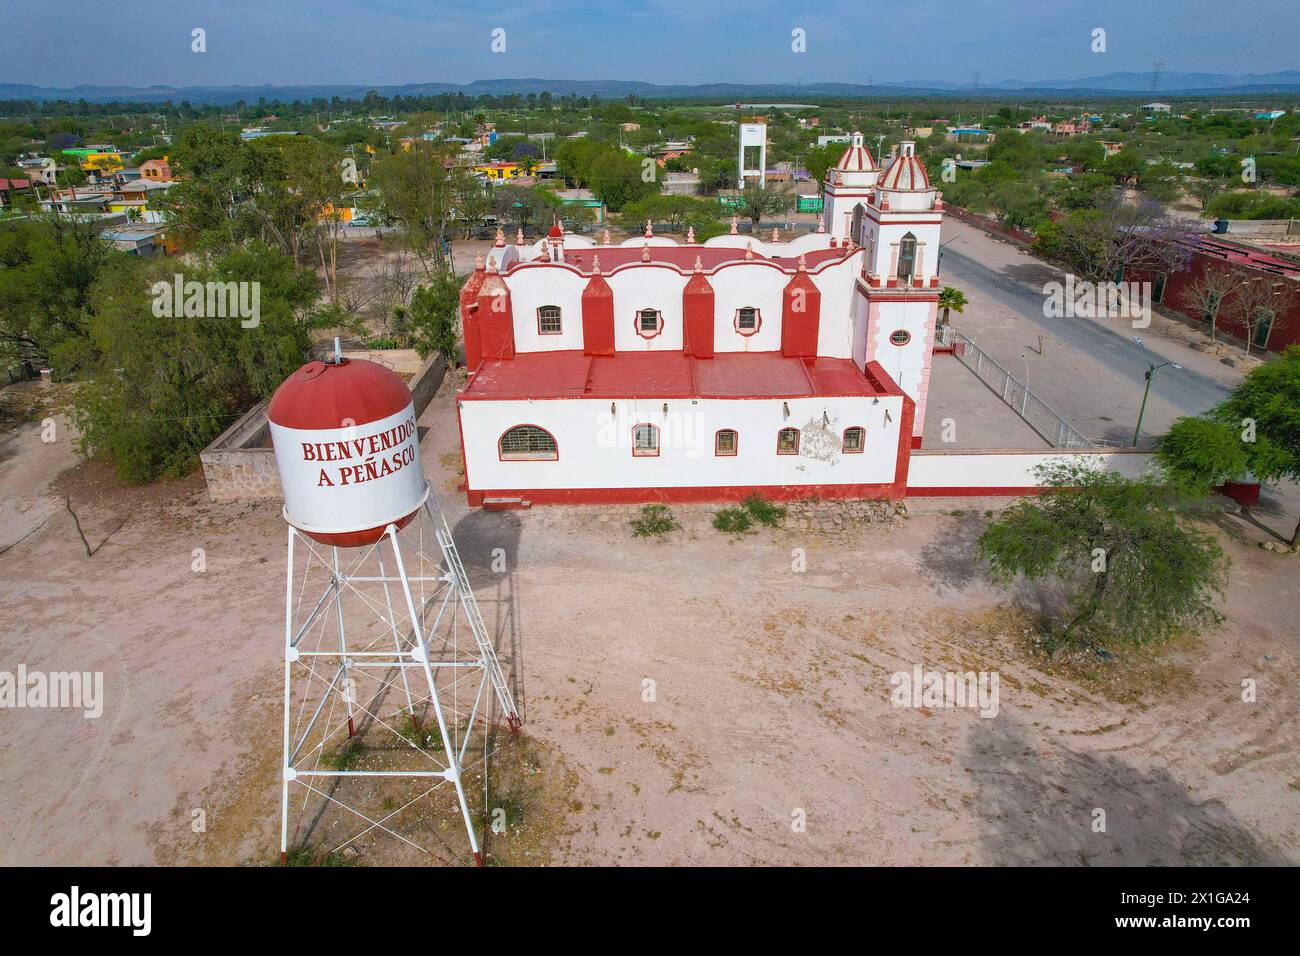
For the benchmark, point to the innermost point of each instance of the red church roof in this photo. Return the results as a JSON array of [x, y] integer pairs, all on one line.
[[664, 375]]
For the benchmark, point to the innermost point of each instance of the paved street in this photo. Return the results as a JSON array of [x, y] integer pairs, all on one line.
[[1090, 371]]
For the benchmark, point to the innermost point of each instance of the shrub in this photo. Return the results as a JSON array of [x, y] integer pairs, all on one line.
[[654, 521], [733, 520], [764, 512]]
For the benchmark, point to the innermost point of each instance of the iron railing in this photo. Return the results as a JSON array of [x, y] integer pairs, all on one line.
[[1037, 413]]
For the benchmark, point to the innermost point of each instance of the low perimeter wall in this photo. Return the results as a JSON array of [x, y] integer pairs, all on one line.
[[240, 463], [1004, 472]]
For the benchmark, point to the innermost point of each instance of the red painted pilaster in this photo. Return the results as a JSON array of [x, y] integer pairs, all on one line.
[[801, 306], [697, 316], [598, 317], [495, 318]]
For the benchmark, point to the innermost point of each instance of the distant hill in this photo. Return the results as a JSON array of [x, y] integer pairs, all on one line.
[[1110, 84]]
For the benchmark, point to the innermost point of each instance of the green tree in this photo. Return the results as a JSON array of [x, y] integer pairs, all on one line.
[[1135, 571], [164, 387], [418, 191], [433, 315], [951, 299], [48, 269], [1255, 430], [616, 179], [755, 203]]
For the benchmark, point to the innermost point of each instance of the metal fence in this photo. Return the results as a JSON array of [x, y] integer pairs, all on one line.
[[1039, 415]]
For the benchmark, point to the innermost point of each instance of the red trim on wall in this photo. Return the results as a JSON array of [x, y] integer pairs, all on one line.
[[916, 442], [723, 493]]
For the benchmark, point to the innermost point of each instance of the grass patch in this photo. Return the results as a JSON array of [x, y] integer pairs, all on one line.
[[345, 757], [733, 521], [764, 512], [314, 856], [655, 521]]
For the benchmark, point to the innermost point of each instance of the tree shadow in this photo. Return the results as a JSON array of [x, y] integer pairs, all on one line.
[[1036, 811], [951, 562]]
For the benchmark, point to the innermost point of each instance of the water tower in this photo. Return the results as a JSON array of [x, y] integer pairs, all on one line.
[[390, 674]]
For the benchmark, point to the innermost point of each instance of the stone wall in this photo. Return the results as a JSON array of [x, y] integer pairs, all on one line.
[[240, 463]]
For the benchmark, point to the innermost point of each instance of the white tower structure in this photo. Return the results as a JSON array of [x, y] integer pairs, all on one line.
[[897, 225], [391, 679], [848, 187], [753, 135]]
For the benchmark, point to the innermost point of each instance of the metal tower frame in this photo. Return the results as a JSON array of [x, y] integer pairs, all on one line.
[[374, 628]]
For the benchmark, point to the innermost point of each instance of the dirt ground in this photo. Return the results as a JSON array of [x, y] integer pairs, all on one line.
[[770, 701]]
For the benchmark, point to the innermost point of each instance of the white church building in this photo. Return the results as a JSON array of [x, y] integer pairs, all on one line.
[[654, 370]]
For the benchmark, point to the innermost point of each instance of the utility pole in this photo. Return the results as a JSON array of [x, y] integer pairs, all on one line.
[[1152, 368]]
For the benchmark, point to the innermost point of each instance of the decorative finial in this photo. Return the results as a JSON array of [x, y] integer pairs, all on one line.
[[595, 265], [501, 236], [821, 227], [546, 252], [478, 262], [803, 262], [749, 250], [492, 265], [776, 236], [699, 264], [735, 225], [649, 230], [645, 252], [519, 237], [690, 235], [606, 240]]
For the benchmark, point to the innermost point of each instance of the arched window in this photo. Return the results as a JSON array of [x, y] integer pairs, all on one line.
[[748, 320], [649, 323], [787, 441], [548, 320], [726, 443], [906, 256], [645, 440], [855, 440], [527, 443]]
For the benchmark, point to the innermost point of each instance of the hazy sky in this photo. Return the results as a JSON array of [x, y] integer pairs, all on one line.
[[381, 42]]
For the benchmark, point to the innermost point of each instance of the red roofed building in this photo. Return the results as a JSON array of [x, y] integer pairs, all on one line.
[[656, 370]]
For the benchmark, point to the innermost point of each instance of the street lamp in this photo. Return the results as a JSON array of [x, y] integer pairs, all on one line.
[[1152, 368]]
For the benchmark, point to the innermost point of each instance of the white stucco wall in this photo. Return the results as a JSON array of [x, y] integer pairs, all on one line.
[[595, 447], [1008, 469]]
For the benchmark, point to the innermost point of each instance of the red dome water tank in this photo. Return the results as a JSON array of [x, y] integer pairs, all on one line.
[[346, 442]]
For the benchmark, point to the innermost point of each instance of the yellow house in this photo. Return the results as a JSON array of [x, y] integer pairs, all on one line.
[[499, 170], [101, 163]]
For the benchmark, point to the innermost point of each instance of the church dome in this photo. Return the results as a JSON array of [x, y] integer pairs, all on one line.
[[906, 173], [857, 158]]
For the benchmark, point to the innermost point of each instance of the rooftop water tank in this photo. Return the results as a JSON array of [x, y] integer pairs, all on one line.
[[346, 443]]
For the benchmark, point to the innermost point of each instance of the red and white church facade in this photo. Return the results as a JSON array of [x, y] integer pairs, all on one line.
[[654, 370]]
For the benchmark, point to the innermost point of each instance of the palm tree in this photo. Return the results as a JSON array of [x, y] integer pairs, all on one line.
[[951, 298]]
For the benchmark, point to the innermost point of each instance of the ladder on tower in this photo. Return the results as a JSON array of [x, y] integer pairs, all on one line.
[[460, 581]]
